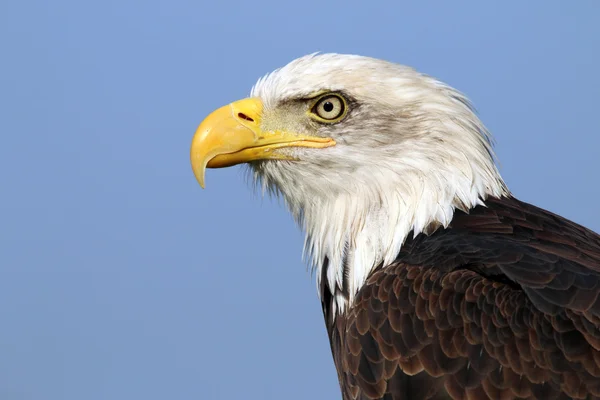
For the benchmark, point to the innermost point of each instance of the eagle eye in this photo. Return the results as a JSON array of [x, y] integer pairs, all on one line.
[[329, 108]]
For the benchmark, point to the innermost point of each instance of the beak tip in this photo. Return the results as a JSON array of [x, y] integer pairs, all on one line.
[[200, 179], [198, 162], [199, 174]]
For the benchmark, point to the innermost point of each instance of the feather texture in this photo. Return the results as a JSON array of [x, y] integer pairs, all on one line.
[[503, 304]]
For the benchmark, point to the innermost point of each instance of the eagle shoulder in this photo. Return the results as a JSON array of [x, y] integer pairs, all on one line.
[[503, 304]]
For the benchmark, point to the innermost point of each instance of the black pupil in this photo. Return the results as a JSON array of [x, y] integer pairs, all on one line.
[[328, 106]]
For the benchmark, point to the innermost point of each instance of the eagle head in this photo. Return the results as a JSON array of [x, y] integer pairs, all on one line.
[[363, 151]]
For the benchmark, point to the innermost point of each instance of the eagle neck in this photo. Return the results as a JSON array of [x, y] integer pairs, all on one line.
[[347, 239], [356, 221]]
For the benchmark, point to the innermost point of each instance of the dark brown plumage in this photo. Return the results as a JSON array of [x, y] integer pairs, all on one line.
[[503, 304]]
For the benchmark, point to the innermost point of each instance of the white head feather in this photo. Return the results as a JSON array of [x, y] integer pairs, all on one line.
[[410, 152]]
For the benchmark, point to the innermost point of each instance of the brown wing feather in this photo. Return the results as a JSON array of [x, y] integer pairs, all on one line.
[[502, 305]]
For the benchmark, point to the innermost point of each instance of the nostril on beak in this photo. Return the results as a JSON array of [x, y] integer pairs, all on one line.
[[245, 117]]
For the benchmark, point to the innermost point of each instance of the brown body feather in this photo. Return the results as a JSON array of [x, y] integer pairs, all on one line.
[[503, 304]]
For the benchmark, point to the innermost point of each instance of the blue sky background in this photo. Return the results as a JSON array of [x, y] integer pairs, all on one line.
[[121, 279]]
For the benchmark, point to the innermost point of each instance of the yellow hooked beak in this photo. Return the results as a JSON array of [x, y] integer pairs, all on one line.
[[232, 135]]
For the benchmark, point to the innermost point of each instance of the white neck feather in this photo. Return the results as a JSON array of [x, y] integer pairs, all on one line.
[[358, 226]]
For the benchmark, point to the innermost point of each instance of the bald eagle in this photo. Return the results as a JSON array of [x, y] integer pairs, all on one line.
[[435, 281]]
